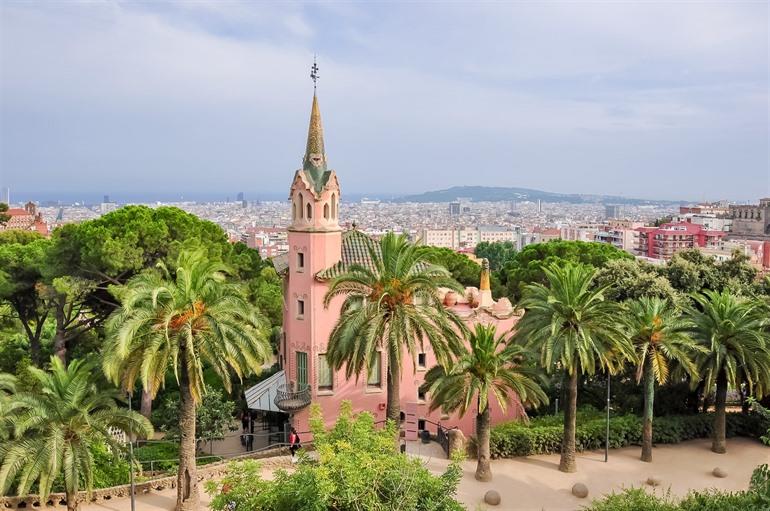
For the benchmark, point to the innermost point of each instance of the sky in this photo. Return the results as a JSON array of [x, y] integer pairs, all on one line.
[[203, 99]]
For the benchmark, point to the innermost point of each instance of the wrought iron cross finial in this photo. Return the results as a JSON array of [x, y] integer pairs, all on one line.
[[314, 73]]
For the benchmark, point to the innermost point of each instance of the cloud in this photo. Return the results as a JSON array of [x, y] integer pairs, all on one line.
[[644, 99]]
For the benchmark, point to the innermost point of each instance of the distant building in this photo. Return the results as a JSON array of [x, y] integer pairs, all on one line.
[[465, 238], [585, 232], [107, 206], [668, 239], [751, 222], [621, 234], [454, 209], [27, 219], [612, 211]]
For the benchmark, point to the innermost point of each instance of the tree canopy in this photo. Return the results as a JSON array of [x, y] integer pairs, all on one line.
[[528, 266], [497, 253]]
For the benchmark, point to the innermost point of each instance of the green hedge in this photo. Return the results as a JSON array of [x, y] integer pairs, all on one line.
[[543, 435], [756, 498], [164, 456]]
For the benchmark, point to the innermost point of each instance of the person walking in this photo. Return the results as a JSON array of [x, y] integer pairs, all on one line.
[[294, 443]]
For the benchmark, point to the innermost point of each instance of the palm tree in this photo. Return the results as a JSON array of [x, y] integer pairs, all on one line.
[[490, 367], [7, 388], [390, 305], [659, 334], [736, 350], [181, 322], [576, 331], [54, 430]]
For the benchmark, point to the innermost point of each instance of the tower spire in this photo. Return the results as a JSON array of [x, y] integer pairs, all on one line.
[[314, 162]]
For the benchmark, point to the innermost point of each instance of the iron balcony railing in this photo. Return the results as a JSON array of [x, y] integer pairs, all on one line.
[[292, 398]]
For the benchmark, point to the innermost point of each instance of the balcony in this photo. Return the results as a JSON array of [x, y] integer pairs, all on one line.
[[292, 398]]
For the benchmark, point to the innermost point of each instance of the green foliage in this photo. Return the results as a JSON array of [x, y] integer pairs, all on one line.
[[213, 418], [175, 319], [628, 279], [692, 271], [571, 324], [498, 253], [110, 469], [461, 267], [543, 435], [756, 498], [57, 430], [357, 469], [4, 216], [734, 341], [492, 366], [18, 236], [765, 413], [162, 456], [528, 266]]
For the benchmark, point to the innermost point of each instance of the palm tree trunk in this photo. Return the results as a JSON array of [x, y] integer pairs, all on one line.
[[649, 397], [393, 412], [719, 444], [567, 462], [72, 501], [187, 498], [146, 408], [60, 339], [483, 470]]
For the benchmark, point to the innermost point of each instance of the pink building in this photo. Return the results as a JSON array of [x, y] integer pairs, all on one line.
[[668, 239], [319, 250]]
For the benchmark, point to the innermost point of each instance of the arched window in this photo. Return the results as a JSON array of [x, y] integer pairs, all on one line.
[[300, 205], [326, 211], [334, 206], [309, 209], [293, 210]]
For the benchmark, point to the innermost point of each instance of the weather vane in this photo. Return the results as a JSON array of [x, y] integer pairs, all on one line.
[[314, 73]]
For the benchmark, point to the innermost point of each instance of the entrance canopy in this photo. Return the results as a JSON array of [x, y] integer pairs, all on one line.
[[262, 395]]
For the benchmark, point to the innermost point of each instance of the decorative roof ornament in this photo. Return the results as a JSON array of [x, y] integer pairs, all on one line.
[[314, 73], [484, 284]]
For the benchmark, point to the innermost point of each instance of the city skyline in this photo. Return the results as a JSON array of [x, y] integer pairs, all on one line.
[[203, 100]]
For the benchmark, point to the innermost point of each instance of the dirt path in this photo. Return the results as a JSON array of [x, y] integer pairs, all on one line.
[[534, 483]]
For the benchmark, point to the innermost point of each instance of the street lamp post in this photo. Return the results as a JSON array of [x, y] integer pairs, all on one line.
[[131, 459], [607, 434]]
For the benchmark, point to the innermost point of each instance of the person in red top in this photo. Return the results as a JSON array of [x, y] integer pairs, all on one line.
[[294, 444]]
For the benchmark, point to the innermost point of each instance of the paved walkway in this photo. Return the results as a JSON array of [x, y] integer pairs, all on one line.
[[534, 483]]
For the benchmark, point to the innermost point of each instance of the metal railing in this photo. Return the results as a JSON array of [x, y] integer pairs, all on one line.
[[292, 398], [442, 435]]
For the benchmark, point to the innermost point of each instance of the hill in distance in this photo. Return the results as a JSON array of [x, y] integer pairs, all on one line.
[[499, 193]]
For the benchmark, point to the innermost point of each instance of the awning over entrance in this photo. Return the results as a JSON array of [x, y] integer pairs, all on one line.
[[262, 395]]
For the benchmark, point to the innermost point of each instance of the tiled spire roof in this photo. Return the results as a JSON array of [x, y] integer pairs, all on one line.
[[314, 162]]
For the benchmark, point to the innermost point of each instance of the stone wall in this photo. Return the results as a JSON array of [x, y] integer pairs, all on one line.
[[273, 459]]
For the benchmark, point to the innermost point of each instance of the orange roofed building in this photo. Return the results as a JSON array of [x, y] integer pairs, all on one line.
[[26, 219]]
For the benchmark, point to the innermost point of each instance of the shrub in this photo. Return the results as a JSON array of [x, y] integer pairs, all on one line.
[[543, 435], [756, 498], [165, 457], [358, 468]]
